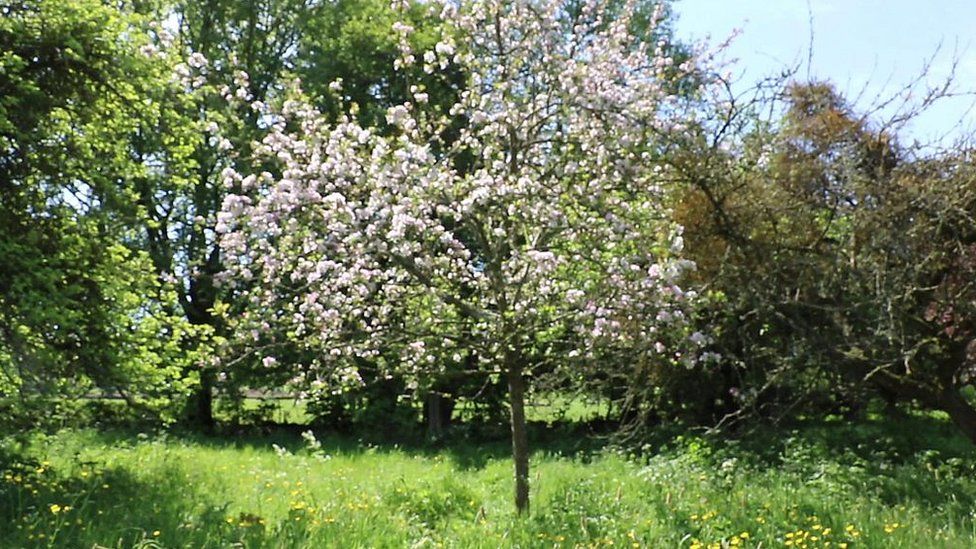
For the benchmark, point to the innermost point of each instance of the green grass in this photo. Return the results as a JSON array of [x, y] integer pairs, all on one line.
[[548, 409], [278, 410], [868, 485]]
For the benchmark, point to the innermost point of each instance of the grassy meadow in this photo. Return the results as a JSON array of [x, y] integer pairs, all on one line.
[[833, 484]]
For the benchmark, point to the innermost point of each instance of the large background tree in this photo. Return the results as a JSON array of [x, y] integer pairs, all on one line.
[[840, 253], [72, 277], [222, 45], [253, 48]]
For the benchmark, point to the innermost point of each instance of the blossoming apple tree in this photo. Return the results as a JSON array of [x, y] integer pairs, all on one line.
[[524, 226]]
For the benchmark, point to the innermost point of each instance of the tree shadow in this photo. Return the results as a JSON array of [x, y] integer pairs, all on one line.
[[469, 446], [110, 506], [917, 457]]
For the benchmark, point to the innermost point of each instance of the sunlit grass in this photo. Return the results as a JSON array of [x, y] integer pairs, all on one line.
[[865, 485], [548, 408]]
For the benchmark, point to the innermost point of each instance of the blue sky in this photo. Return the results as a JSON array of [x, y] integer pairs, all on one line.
[[877, 45]]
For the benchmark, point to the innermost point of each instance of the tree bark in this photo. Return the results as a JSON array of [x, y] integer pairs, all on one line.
[[948, 398], [520, 438], [960, 412], [198, 306], [202, 407], [438, 411]]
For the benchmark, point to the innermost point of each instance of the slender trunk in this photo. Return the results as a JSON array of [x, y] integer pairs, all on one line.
[[520, 438], [960, 411]]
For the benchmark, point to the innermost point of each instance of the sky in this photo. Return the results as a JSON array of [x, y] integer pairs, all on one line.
[[874, 45]]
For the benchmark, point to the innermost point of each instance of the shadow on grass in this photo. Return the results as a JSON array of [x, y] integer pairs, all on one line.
[[881, 440], [917, 457], [468, 445], [895, 440], [111, 507]]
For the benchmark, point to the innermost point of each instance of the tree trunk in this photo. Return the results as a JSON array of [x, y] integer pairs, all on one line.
[[202, 406], [520, 438], [948, 399], [198, 307], [438, 410], [960, 411]]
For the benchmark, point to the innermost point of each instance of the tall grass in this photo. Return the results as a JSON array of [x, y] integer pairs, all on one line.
[[831, 485]]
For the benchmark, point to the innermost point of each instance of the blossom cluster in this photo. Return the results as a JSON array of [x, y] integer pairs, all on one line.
[[538, 228]]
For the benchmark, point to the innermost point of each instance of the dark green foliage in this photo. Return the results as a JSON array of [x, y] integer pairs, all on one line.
[[838, 256], [352, 41]]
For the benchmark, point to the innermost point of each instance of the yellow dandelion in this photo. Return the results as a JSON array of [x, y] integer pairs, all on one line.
[[55, 508]]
